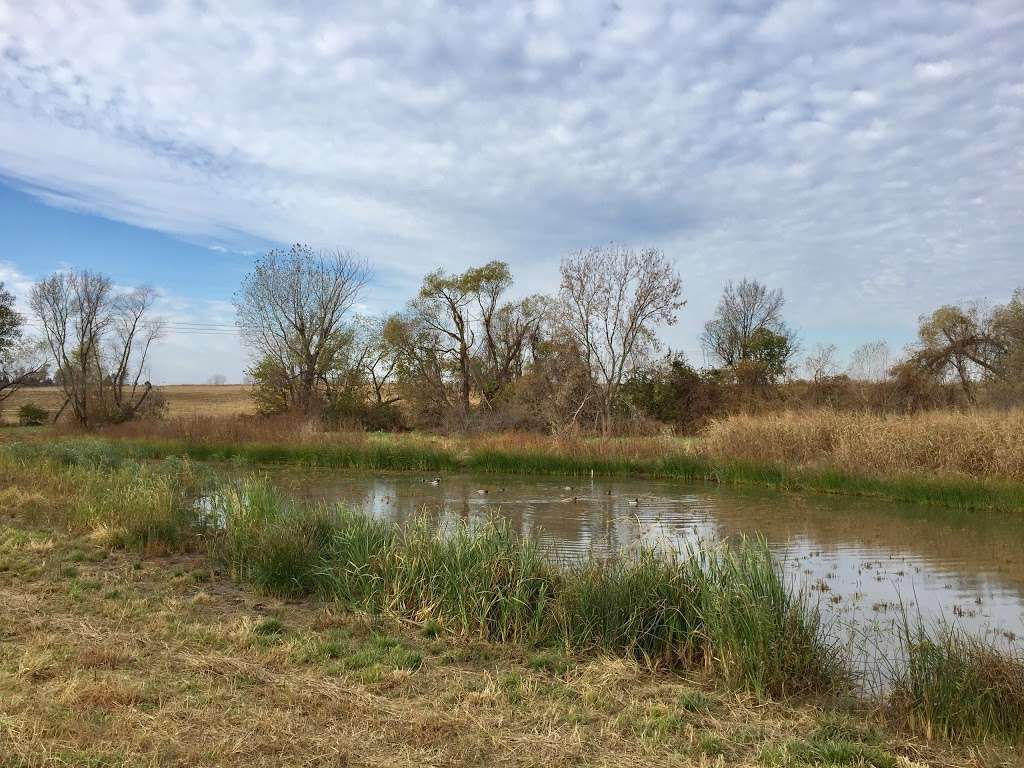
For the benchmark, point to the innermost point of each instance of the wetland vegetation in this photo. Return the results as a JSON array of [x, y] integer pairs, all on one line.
[[719, 618]]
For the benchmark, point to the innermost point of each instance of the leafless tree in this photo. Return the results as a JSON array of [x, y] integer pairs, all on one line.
[[292, 309], [217, 380], [132, 334], [513, 332], [871, 362], [100, 341], [820, 362], [613, 298], [744, 313], [73, 308]]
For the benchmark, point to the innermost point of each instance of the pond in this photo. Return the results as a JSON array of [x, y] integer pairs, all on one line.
[[861, 558]]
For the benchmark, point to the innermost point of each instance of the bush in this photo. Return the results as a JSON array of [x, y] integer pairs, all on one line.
[[31, 415]]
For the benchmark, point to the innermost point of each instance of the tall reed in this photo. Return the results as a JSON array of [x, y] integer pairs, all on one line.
[[976, 444]]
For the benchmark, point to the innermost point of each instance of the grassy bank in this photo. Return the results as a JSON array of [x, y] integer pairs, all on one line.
[[726, 610], [663, 458], [723, 616], [109, 659]]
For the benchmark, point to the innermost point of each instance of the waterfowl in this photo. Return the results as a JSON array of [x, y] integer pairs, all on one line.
[[481, 491], [634, 502], [435, 481]]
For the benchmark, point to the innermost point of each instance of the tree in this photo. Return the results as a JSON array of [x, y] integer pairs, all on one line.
[[744, 314], [613, 298], [22, 360], [957, 342], [870, 362], [970, 343], [131, 336], [99, 340], [767, 356], [217, 380], [291, 310], [421, 365], [820, 363], [73, 310], [377, 358], [1007, 329], [443, 310]]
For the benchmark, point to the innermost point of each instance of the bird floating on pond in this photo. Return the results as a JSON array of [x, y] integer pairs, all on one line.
[[481, 491], [634, 502]]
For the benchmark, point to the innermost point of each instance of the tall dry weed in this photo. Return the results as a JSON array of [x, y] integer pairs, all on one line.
[[982, 444]]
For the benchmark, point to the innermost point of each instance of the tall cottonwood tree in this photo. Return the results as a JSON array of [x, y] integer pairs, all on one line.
[[612, 300], [292, 310]]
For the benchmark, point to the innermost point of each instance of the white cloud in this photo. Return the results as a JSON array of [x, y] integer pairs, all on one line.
[[818, 144], [935, 70]]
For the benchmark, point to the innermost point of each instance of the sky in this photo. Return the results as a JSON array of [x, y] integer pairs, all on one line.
[[867, 158]]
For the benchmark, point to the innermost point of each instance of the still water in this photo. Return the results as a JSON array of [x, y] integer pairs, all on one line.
[[860, 558]]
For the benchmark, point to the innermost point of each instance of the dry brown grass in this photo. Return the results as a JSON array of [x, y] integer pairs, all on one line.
[[977, 444], [183, 400], [128, 662], [225, 430]]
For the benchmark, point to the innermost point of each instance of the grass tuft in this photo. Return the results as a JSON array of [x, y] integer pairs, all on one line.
[[955, 685]]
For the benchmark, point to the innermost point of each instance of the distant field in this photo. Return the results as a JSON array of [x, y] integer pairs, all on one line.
[[182, 400]]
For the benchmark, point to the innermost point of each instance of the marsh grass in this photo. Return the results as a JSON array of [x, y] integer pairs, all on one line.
[[955, 685], [665, 458], [726, 608], [119, 501], [984, 445]]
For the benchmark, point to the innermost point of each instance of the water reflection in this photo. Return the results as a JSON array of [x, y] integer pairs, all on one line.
[[863, 559]]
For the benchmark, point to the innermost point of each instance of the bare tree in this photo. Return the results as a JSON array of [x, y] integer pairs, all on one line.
[[820, 362], [73, 310], [291, 310], [513, 332], [217, 380], [131, 336], [744, 313], [613, 298], [871, 362]]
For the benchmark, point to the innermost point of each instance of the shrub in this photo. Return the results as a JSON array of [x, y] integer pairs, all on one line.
[[32, 415]]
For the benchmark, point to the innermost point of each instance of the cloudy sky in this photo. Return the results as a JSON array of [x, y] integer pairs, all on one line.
[[867, 157]]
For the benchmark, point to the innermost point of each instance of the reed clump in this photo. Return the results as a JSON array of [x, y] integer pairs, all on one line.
[[958, 686], [974, 444]]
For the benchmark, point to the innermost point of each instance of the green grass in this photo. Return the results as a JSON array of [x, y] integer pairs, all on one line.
[[376, 455], [725, 609], [955, 685]]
